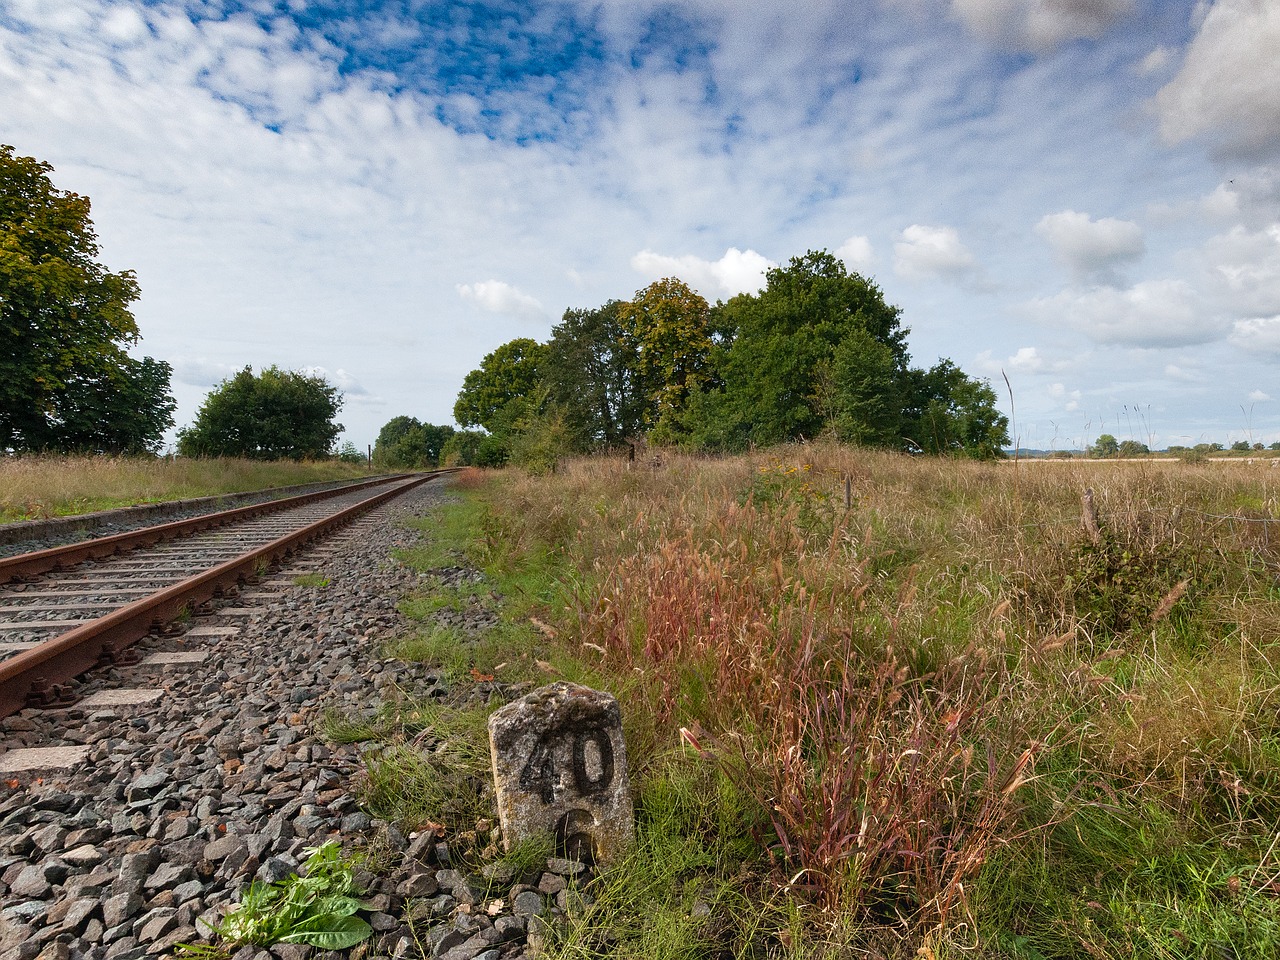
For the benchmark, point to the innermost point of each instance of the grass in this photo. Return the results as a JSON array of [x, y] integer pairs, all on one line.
[[955, 721], [314, 580], [946, 719], [36, 487]]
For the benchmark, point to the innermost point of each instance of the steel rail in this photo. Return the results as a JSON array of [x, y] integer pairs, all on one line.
[[37, 675], [60, 558]]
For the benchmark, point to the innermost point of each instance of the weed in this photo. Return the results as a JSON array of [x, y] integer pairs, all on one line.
[[314, 580], [337, 728], [318, 909]]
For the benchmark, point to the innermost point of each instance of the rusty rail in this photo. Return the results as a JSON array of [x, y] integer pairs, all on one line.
[[38, 675]]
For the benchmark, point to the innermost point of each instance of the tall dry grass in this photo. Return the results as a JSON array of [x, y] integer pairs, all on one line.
[[908, 680], [33, 487]]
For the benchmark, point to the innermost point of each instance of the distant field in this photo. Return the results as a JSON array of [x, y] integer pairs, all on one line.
[[37, 487]]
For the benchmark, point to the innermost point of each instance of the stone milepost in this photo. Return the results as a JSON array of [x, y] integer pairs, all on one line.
[[560, 768]]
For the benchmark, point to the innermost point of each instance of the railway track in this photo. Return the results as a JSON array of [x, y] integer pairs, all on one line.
[[68, 609]]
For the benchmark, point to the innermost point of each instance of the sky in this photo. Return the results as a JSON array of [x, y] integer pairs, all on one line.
[[1082, 196]]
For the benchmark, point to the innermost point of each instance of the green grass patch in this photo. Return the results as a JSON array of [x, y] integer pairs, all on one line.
[[460, 599], [313, 580], [690, 885]]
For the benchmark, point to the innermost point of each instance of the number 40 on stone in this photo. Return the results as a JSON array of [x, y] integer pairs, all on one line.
[[560, 768]]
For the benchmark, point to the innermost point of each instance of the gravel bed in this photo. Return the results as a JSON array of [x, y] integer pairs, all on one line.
[[227, 778], [28, 536]]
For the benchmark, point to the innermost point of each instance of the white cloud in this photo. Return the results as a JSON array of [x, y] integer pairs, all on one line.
[[1155, 61], [353, 391], [1259, 396], [1228, 88], [1181, 374], [498, 296], [1026, 359], [857, 254], [1070, 399], [1154, 313], [1260, 335], [201, 372], [1039, 24], [925, 252], [738, 271], [1222, 203], [1091, 248], [1245, 269]]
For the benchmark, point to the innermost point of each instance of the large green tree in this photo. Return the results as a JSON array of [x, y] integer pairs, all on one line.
[[66, 380], [951, 413], [276, 415], [817, 347], [591, 372], [668, 325], [511, 372]]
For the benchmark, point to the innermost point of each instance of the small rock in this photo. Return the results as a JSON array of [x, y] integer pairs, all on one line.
[[528, 904], [31, 882]]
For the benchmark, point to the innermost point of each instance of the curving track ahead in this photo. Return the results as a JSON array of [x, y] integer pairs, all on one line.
[[69, 609]]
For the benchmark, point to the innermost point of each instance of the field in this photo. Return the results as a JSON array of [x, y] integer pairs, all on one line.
[[35, 487], [886, 707]]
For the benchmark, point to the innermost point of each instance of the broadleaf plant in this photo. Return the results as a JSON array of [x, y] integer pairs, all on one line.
[[318, 909]]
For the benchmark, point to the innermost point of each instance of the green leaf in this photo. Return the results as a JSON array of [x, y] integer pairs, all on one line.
[[330, 932]]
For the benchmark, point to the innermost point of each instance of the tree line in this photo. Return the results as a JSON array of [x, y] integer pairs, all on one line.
[[817, 352]]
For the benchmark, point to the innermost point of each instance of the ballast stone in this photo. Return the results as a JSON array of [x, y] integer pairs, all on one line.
[[560, 768]]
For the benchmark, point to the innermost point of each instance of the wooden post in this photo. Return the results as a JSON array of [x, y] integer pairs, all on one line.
[[1089, 517]]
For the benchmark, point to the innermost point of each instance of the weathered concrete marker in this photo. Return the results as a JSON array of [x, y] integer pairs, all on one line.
[[560, 768]]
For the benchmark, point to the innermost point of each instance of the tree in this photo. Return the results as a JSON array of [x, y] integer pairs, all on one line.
[[405, 442], [1133, 448], [473, 448], [864, 408], [66, 380], [668, 324], [399, 443], [591, 371], [785, 372], [350, 453], [513, 371], [954, 414], [279, 414], [1106, 446], [1240, 446]]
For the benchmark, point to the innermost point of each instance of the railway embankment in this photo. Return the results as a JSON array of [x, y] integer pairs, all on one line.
[[225, 770]]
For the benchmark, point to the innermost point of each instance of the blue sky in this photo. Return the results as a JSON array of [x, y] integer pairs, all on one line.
[[1083, 195]]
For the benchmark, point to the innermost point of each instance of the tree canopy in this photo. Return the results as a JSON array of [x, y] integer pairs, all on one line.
[[511, 372], [591, 371], [817, 347], [817, 352], [276, 415], [407, 442], [66, 380], [667, 326]]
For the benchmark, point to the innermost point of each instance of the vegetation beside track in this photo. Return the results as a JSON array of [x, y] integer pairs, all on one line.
[[946, 719], [36, 487]]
